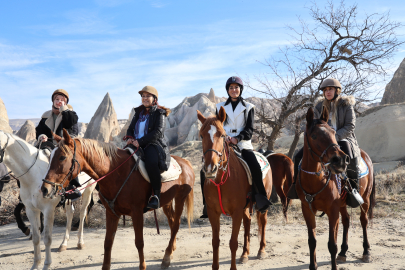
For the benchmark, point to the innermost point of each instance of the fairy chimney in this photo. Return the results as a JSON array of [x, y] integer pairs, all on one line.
[[103, 125], [395, 89], [211, 96], [27, 131], [4, 125]]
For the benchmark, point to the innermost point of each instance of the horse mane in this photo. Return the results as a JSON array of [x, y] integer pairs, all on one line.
[[92, 148]]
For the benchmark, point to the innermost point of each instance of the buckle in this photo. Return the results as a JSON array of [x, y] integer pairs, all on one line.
[[309, 198], [233, 130]]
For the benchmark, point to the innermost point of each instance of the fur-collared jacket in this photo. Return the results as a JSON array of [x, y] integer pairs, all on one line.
[[67, 119], [155, 133], [343, 117]]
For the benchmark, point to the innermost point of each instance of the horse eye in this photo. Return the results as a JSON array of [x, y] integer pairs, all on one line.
[[313, 137], [201, 137], [62, 158]]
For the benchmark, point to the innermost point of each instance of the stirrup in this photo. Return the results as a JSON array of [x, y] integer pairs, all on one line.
[[152, 206], [292, 193]]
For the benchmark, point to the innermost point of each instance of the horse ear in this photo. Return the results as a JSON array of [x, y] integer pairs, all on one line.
[[325, 114], [310, 117], [201, 117], [66, 136], [221, 114], [56, 137]]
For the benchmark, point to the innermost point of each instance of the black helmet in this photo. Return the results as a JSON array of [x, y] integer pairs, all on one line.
[[234, 79]]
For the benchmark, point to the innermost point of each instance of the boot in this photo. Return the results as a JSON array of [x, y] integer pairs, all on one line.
[[352, 172], [154, 200], [73, 184], [205, 214], [262, 203]]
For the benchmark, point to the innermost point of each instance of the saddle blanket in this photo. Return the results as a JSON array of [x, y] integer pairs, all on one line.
[[264, 165], [363, 168], [171, 174]]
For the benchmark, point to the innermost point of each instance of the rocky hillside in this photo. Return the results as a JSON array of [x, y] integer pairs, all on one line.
[[395, 89], [4, 125]]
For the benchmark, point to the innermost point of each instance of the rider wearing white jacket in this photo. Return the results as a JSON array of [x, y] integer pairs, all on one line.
[[238, 126]]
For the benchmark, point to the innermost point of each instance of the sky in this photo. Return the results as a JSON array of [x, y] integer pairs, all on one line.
[[181, 47]]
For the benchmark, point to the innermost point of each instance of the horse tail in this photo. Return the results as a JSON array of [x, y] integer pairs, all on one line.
[[259, 224], [190, 207], [289, 173], [372, 199]]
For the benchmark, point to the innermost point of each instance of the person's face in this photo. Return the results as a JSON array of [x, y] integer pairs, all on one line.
[[234, 90], [147, 99], [329, 92], [59, 101]]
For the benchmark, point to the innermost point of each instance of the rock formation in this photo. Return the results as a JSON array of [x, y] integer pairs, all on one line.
[[381, 133], [395, 89], [82, 129], [182, 124], [4, 118], [103, 125], [27, 132]]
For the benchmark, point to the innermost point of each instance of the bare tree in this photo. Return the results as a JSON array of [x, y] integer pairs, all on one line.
[[338, 43]]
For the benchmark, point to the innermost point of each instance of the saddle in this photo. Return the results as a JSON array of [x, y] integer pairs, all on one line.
[[171, 174], [262, 160]]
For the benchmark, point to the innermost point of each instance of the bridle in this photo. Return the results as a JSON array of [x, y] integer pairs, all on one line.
[[56, 186], [220, 154], [310, 197], [2, 153]]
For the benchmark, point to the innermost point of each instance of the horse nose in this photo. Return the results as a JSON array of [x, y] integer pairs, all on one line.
[[347, 160], [336, 160], [44, 191]]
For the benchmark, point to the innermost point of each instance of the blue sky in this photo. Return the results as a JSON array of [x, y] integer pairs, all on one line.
[[182, 48]]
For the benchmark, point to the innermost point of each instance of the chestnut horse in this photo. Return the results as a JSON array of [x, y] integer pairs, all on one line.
[[97, 159], [319, 192], [221, 165], [282, 174]]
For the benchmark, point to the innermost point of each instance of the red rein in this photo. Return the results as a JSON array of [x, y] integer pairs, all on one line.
[[223, 182]]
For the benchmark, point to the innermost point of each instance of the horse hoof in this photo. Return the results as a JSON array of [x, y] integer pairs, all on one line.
[[80, 246], [165, 264], [261, 255], [27, 231], [62, 248], [341, 259], [243, 260], [366, 258]]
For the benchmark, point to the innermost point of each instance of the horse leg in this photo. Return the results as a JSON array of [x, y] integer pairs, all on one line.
[[262, 222], [364, 223], [346, 224], [111, 228], [246, 238], [233, 243], [20, 221], [48, 226], [33, 217], [174, 226], [137, 222], [333, 230], [69, 216], [215, 226], [311, 225], [86, 198]]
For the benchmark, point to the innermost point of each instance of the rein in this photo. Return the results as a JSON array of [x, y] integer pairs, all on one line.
[[224, 169]]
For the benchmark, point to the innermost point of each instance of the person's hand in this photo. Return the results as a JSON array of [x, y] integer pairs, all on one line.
[[135, 143], [44, 138], [234, 140], [130, 141]]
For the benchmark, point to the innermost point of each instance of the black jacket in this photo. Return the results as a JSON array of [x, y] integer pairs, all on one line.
[[155, 133], [67, 119]]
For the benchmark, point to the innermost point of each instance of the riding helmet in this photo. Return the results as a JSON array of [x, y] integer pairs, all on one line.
[[234, 79], [61, 92], [151, 90]]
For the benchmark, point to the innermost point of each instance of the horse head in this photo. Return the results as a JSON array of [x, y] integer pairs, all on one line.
[[321, 141], [213, 135], [64, 165]]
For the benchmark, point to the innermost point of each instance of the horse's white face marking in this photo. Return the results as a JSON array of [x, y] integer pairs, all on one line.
[[212, 132]]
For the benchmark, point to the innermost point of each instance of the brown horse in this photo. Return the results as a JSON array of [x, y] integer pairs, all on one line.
[[98, 159], [282, 174], [320, 192], [222, 165]]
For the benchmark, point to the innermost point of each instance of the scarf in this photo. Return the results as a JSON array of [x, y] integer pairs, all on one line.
[[143, 116]]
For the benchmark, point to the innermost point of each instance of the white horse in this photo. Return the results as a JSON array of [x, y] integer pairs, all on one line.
[[26, 160]]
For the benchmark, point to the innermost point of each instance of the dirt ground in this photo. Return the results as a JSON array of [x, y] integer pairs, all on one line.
[[286, 246]]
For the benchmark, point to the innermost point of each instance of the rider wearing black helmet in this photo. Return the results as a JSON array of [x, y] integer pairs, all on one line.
[[239, 129]]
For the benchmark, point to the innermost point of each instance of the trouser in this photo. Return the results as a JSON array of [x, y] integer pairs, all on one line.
[[344, 146], [202, 181], [152, 167], [255, 170]]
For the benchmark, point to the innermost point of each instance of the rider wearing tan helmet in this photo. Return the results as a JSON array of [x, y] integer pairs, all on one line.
[[54, 121], [342, 118], [147, 132]]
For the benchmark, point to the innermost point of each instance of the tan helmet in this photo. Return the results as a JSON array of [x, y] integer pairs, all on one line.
[[331, 82], [149, 89], [61, 92]]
